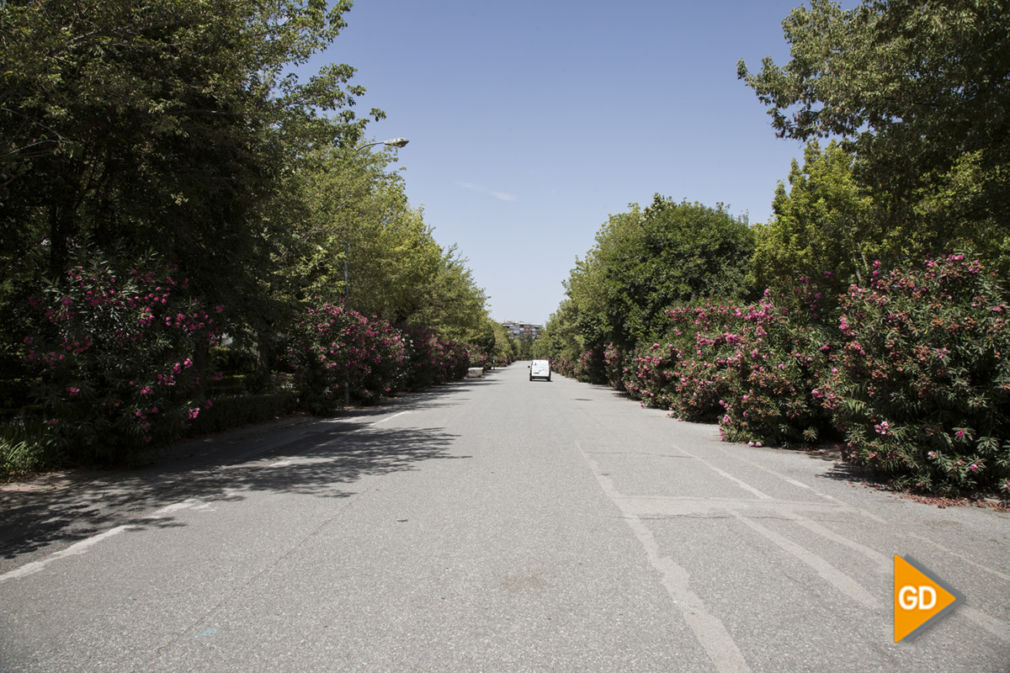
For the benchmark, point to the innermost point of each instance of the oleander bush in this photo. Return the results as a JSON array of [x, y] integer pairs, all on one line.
[[118, 359], [432, 359], [424, 352], [232, 411], [614, 366], [774, 364], [563, 366], [588, 368], [753, 369], [455, 360], [913, 370], [922, 385], [337, 349]]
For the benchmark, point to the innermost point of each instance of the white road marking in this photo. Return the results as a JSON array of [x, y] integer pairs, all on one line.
[[708, 629], [831, 574], [959, 555], [84, 545], [722, 473], [790, 480], [75, 549], [743, 510], [389, 418], [828, 572]]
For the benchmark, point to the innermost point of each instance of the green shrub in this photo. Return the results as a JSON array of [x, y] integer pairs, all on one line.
[[589, 367], [922, 388], [26, 447], [224, 413]]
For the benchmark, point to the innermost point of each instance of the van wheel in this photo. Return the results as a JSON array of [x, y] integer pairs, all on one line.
[[548, 379]]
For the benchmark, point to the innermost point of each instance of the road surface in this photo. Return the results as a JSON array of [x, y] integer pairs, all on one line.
[[495, 525]]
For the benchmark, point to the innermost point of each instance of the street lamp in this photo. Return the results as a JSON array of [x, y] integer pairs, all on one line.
[[391, 142]]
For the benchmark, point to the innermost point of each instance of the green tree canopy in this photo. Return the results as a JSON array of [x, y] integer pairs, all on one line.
[[821, 230], [676, 252], [917, 89], [160, 125], [354, 207], [645, 261]]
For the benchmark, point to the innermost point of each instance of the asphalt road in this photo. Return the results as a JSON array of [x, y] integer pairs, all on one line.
[[492, 525]]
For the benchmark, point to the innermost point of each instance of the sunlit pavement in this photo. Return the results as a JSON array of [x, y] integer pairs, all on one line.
[[495, 524]]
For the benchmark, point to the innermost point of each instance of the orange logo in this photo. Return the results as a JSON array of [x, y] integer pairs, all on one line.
[[918, 599]]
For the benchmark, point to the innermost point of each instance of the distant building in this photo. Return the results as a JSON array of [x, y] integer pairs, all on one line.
[[523, 330]]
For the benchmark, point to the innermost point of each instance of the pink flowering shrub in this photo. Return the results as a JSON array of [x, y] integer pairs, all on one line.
[[432, 359], [751, 368], [614, 366], [922, 387], [480, 359], [588, 367], [336, 347], [118, 358], [647, 373], [564, 366], [774, 361], [455, 360]]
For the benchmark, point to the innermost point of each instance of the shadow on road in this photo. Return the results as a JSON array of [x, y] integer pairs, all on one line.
[[316, 457]]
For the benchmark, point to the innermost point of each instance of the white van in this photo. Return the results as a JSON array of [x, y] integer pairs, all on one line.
[[540, 369]]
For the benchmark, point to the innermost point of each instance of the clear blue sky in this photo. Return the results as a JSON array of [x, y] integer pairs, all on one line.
[[531, 121]]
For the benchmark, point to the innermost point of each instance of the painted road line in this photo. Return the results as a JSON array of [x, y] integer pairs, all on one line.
[[75, 549], [708, 629], [389, 418]]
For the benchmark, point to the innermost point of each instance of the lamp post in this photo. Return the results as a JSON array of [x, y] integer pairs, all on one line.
[[391, 142]]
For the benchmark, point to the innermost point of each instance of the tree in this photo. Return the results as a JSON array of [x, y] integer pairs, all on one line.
[[173, 127], [588, 288], [917, 89], [130, 126], [676, 252], [821, 229], [354, 205], [561, 339], [645, 261]]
